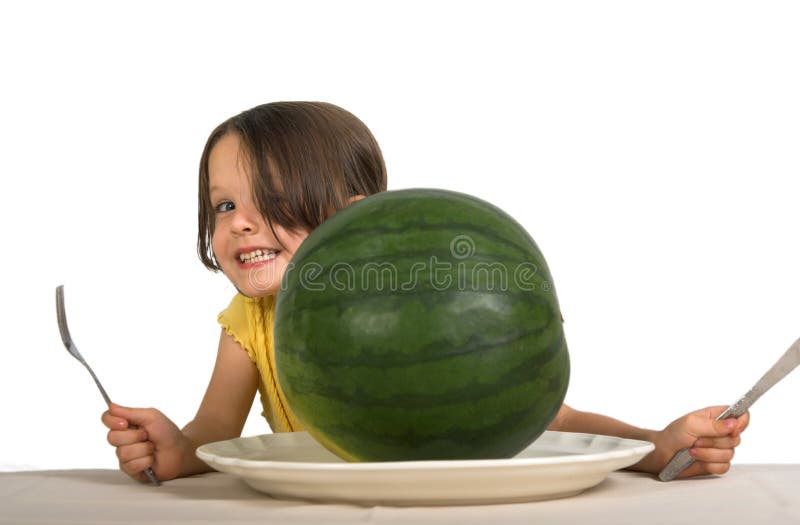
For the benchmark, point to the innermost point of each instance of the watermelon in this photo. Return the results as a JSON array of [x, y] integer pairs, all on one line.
[[420, 324]]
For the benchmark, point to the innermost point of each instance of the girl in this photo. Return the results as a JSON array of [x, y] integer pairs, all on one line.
[[269, 176]]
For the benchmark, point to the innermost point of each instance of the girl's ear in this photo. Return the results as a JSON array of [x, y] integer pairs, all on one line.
[[351, 200], [355, 198]]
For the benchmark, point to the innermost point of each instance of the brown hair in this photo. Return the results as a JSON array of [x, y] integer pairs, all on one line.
[[305, 160]]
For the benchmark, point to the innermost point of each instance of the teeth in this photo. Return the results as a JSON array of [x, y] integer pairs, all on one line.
[[257, 256]]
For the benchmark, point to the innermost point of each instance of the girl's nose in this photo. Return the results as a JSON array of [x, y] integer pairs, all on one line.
[[244, 222]]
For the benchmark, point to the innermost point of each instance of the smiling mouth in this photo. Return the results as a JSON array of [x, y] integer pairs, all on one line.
[[258, 256]]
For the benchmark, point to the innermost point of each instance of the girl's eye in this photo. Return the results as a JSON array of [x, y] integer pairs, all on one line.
[[224, 206]]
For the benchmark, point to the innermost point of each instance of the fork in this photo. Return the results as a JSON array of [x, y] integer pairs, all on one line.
[[73, 350]]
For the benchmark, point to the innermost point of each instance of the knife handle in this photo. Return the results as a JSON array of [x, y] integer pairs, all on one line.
[[679, 462]]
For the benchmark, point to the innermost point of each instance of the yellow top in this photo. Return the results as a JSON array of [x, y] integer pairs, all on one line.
[[249, 321]]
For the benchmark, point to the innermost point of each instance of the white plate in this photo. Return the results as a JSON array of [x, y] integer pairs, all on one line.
[[294, 465]]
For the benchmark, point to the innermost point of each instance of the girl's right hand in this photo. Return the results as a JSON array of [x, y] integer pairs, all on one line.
[[144, 437]]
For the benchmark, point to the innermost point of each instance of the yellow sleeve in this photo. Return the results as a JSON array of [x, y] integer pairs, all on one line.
[[234, 319], [250, 321]]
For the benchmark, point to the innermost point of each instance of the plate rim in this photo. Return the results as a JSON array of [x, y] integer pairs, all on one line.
[[634, 447]]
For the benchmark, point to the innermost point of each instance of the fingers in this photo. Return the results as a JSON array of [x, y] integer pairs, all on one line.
[[714, 461], [717, 434], [134, 451], [711, 442], [704, 426], [118, 438], [133, 416], [114, 422], [136, 466], [743, 421], [703, 469], [715, 441], [718, 442], [713, 412], [144, 437], [712, 455], [135, 455]]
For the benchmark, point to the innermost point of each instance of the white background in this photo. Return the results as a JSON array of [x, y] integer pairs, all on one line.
[[651, 149]]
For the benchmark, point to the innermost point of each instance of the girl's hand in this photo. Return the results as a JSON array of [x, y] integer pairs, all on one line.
[[156, 443], [711, 442]]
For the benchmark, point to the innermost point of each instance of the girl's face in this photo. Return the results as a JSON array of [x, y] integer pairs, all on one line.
[[247, 251]]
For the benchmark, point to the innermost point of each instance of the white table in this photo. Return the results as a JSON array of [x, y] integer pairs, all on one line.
[[748, 494]]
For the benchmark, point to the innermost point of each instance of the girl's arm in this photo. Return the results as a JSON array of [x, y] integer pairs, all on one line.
[[226, 403], [711, 441], [170, 451], [570, 420]]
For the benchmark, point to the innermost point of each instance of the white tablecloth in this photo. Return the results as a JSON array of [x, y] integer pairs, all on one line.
[[748, 494]]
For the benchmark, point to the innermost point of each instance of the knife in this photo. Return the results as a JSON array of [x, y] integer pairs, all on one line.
[[788, 362]]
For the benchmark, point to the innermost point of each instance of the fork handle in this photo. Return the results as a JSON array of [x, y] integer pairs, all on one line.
[[152, 477]]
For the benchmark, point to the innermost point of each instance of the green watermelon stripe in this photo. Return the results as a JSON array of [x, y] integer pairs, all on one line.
[[520, 374], [411, 258], [455, 228], [482, 437], [424, 296], [388, 381], [423, 256], [490, 442], [476, 409], [421, 287], [423, 354]]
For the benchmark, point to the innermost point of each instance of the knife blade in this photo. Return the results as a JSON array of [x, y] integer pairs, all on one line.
[[787, 362]]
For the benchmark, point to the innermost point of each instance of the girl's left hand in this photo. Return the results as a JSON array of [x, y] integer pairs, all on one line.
[[711, 442]]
